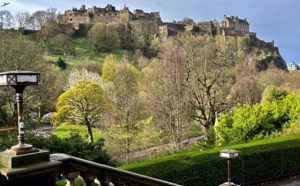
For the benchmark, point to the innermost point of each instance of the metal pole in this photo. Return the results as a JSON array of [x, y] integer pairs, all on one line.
[[229, 179]]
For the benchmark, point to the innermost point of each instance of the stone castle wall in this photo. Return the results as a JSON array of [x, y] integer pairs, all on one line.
[[150, 23], [148, 27]]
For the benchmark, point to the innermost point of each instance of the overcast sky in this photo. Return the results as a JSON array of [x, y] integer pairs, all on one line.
[[276, 20]]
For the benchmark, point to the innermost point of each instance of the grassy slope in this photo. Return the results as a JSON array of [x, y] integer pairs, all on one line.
[[65, 130], [86, 52]]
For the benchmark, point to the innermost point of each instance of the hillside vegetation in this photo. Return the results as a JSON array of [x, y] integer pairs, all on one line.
[[154, 90]]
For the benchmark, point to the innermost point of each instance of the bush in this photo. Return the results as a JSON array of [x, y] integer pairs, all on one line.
[[74, 146], [257, 161]]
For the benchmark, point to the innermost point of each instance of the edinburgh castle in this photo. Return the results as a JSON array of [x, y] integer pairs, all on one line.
[[140, 22]]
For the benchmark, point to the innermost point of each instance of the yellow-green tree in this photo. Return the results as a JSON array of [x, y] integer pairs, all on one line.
[[83, 104], [109, 68], [130, 128]]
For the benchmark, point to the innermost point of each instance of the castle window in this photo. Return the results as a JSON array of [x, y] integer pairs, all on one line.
[[115, 13], [109, 14], [98, 15], [71, 19], [104, 14]]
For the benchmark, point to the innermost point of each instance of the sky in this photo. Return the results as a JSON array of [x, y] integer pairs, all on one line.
[[276, 20]]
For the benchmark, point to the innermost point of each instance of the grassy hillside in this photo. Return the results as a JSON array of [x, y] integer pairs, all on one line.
[[87, 52]]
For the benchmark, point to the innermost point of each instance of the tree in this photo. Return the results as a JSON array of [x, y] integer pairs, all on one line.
[[98, 36], [21, 19], [82, 105], [210, 63], [51, 14], [187, 20], [63, 43], [168, 93], [61, 64], [114, 34], [248, 122], [91, 66], [15, 57], [39, 18], [130, 125], [6, 18], [247, 89], [51, 29], [109, 67]]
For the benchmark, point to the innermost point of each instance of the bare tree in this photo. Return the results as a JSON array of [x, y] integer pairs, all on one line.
[[21, 19], [7, 20], [64, 43], [209, 63], [247, 89], [52, 14], [51, 29], [168, 93], [39, 18]]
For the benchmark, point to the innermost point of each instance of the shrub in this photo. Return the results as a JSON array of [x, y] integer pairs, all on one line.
[[73, 145], [257, 161]]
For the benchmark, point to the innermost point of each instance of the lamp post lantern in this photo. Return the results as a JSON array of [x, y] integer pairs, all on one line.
[[19, 80], [229, 154]]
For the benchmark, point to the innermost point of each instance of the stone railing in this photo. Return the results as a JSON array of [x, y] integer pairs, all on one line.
[[72, 167]]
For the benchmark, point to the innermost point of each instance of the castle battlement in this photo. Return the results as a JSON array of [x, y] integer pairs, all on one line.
[[151, 23]]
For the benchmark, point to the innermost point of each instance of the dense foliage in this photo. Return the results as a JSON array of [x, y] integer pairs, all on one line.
[[166, 90], [73, 145], [83, 104], [279, 111], [272, 159]]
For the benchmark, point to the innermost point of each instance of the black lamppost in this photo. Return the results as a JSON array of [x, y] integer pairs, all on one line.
[[19, 80], [229, 154]]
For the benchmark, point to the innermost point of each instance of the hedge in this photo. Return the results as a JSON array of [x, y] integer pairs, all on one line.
[[257, 162]]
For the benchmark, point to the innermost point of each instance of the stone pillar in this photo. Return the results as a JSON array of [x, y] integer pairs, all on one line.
[[32, 169]]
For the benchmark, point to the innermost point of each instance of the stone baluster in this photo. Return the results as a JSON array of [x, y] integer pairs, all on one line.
[[105, 181], [70, 177], [87, 178]]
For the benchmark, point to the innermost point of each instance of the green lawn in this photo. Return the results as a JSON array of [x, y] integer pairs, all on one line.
[[64, 131]]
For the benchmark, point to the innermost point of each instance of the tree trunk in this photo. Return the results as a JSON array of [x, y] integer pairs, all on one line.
[[90, 132]]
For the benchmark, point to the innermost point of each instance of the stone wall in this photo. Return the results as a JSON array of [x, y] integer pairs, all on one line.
[[144, 27]]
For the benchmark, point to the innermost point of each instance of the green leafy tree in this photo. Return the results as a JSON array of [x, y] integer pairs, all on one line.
[[109, 68], [129, 119], [98, 36], [257, 121], [273, 93], [83, 104]]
